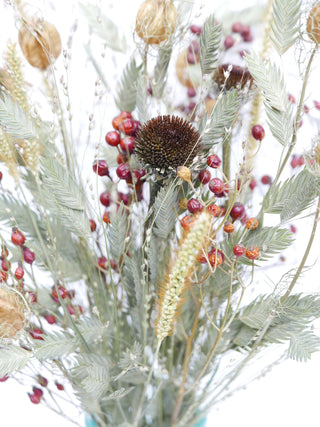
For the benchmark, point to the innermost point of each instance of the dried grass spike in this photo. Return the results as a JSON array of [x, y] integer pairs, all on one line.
[[171, 293]]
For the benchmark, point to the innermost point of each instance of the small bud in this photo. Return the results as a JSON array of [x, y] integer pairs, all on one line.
[[184, 173]]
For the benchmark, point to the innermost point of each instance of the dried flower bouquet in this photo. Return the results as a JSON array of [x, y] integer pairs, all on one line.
[[132, 292]]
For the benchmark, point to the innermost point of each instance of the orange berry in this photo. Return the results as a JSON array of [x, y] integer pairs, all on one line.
[[106, 218], [252, 224], [215, 259], [228, 227], [187, 222], [252, 252], [214, 210], [201, 257]]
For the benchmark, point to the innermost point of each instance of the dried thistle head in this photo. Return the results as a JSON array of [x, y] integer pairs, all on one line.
[[313, 24], [232, 76], [166, 142], [156, 21], [41, 44], [12, 316]]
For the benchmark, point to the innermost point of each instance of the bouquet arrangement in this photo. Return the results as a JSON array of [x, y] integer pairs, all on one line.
[[137, 288]]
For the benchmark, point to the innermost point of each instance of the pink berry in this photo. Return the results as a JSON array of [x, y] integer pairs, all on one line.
[[237, 27], [5, 264], [93, 225], [123, 171], [213, 161], [37, 391], [239, 250], [105, 199], [247, 38], [34, 398], [32, 297], [19, 273], [204, 176], [245, 31], [113, 138], [36, 333], [71, 293], [191, 58], [294, 162], [306, 109], [3, 379], [127, 144], [195, 29], [317, 104], [100, 167], [124, 198], [237, 211], [258, 132], [194, 47], [59, 386], [291, 98], [71, 310], [228, 42], [50, 319], [300, 161], [266, 180], [194, 206], [62, 292], [252, 184], [216, 186], [28, 255], [191, 92], [293, 228]]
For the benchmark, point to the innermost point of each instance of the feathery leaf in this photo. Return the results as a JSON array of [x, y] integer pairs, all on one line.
[[141, 99], [13, 359], [127, 92], [164, 214], [302, 345], [209, 44], [55, 346], [117, 234], [161, 69]]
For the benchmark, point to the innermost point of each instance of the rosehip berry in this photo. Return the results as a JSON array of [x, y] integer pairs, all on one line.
[[237, 211], [228, 42], [37, 391], [71, 309], [236, 27], [124, 198], [300, 161], [293, 228], [252, 252], [34, 398], [5, 264], [213, 161], [201, 257], [228, 227], [106, 218], [191, 92], [317, 104], [19, 273], [187, 222], [258, 132], [204, 176], [36, 333], [192, 106], [113, 138], [266, 180], [294, 162], [105, 199], [127, 126], [125, 115], [100, 167], [93, 225], [216, 185], [291, 98], [116, 122], [127, 144], [215, 258], [194, 206], [42, 381], [28, 255], [71, 293], [4, 252], [62, 292], [123, 171], [247, 38], [238, 250], [17, 237], [3, 379], [32, 297], [252, 224], [214, 210], [50, 319], [245, 31], [121, 158], [195, 29], [59, 386], [1, 176], [103, 263]]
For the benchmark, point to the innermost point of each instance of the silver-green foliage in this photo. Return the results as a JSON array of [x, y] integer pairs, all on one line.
[[159, 80], [56, 345], [117, 234], [13, 359], [293, 196], [14, 120], [126, 96], [214, 127], [285, 24], [141, 99], [103, 27], [270, 81], [164, 213], [209, 45], [302, 345]]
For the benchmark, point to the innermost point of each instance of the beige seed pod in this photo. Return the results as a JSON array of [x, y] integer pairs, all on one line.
[[156, 21], [210, 103], [184, 173], [313, 24], [12, 317], [40, 45], [317, 154], [187, 73]]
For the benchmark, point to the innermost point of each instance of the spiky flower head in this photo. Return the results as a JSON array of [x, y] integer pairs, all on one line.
[[166, 142]]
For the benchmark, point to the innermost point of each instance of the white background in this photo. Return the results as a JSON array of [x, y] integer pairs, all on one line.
[[289, 395]]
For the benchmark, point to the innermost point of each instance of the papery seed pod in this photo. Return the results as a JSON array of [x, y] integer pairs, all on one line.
[[238, 77], [184, 173], [156, 21], [188, 75], [12, 317], [313, 24], [40, 43]]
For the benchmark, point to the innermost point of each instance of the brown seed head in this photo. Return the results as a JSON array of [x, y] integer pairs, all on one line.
[[40, 44], [239, 77], [156, 21], [12, 316], [166, 142], [313, 24]]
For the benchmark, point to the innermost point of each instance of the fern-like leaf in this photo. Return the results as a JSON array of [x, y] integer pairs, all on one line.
[[127, 92], [14, 120], [219, 122], [13, 359], [161, 69], [209, 45], [285, 24], [117, 234], [55, 346], [103, 27], [302, 345], [164, 214], [141, 99], [269, 79]]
